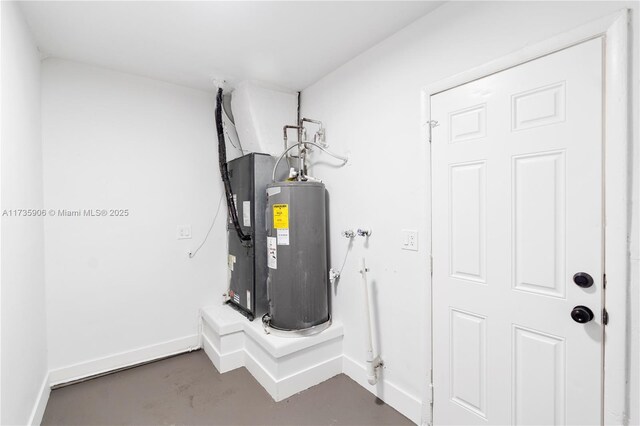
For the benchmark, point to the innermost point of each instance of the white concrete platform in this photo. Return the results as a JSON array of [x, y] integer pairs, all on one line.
[[284, 366]]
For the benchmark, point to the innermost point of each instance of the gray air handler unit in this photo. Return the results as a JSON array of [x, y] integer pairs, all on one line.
[[249, 176], [298, 281]]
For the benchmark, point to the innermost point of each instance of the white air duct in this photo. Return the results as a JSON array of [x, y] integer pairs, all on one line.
[[260, 113], [234, 147]]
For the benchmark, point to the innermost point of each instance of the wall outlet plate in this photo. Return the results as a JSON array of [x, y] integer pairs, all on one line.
[[183, 232], [409, 239]]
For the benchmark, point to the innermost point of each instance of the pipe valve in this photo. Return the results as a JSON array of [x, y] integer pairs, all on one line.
[[348, 233], [333, 275], [366, 232]]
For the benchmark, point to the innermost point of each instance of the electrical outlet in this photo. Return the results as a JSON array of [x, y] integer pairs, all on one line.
[[184, 232], [409, 239]]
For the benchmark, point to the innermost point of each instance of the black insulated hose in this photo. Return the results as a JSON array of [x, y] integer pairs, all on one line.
[[224, 171]]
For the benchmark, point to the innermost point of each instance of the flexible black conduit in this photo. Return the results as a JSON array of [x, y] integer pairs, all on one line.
[[224, 171]]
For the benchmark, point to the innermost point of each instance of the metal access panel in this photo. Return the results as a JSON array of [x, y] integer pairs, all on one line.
[[249, 176]]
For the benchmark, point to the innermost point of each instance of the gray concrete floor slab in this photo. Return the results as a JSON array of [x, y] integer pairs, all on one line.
[[188, 390]]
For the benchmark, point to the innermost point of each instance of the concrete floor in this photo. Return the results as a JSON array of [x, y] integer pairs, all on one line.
[[187, 389]]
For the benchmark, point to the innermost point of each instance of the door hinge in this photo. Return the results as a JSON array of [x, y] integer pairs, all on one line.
[[431, 265], [430, 378], [604, 280], [431, 394], [432, 124], [605, 316]]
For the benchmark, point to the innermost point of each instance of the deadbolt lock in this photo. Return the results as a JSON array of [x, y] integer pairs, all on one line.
[[582, 279]]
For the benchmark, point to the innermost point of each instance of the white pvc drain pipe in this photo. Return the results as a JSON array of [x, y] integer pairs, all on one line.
[[373, 363]]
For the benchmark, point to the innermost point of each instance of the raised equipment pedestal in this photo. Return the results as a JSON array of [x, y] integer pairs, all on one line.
[[284, 366]]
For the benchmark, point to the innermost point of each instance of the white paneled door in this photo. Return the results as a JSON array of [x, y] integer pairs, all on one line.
[[518, 244]]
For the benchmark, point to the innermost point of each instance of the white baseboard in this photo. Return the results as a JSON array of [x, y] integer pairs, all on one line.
[[285, 387], [41, 402], [278, 388], [223, 363], [312, 376], [122, 360], [283, 366], [407, 404], [260, 373]]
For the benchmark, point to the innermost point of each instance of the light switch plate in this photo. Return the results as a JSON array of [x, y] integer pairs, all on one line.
[[183, 232], [410, 239]]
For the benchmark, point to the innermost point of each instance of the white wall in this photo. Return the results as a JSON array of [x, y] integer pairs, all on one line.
[[122, 289], [24, 352], [371, 107]]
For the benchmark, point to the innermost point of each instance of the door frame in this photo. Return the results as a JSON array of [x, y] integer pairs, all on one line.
[[617, 143]]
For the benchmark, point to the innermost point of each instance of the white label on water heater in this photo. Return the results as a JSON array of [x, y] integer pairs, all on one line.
[[283, 237], [272, 253], [248, 299], [246, 213]]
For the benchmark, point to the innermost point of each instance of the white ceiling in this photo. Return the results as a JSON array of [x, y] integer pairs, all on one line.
[[287, 44]]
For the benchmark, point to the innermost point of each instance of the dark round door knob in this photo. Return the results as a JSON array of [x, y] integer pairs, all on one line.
[[581, 314], [582, 279]]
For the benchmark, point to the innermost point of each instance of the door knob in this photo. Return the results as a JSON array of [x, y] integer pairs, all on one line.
[[581, 314], [582, 279]]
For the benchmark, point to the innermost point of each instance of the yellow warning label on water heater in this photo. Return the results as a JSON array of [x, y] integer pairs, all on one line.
[[281, 216]]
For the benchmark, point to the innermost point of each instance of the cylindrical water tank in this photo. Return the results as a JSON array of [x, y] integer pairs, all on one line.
[[298, 282]]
